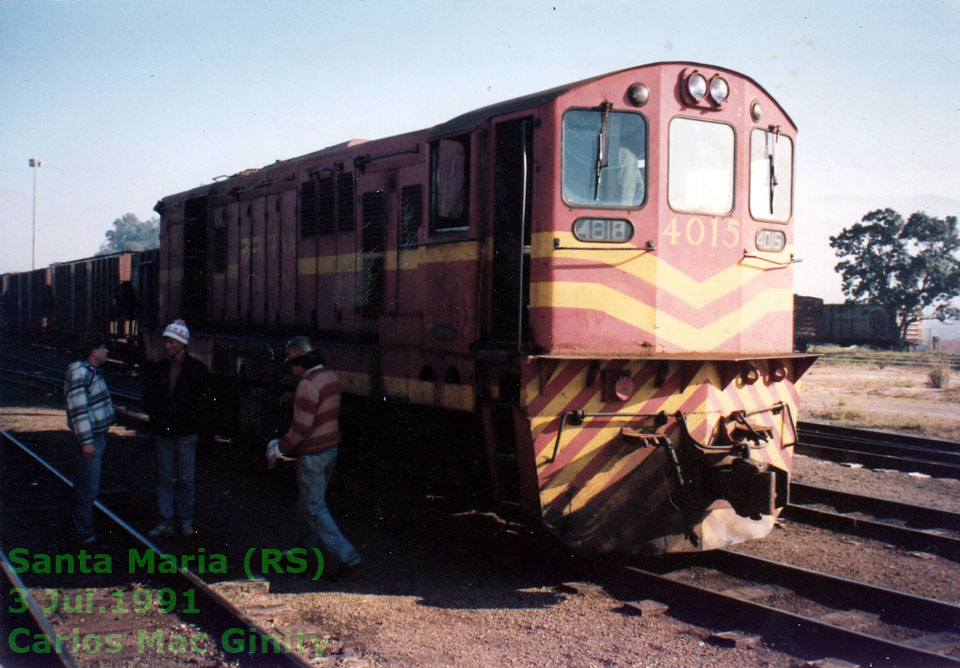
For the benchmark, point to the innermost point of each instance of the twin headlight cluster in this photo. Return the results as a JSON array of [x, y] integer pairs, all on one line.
[[717, 87], [715, 90], [698, 90]]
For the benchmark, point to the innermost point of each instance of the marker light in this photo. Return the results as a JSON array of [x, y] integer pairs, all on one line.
[[697, 86], [756, 111], [638, 94], [719, 90]]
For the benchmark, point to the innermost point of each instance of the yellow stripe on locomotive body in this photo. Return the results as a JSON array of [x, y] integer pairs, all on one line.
[[612, 439]]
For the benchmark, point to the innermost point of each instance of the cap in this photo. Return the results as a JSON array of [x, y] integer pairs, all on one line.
[[297, 347], [177, 330]]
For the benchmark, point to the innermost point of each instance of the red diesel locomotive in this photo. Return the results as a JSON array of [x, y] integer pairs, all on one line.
[[595, 280]]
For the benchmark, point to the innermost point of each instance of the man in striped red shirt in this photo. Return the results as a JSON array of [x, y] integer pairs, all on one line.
[[313, 439]]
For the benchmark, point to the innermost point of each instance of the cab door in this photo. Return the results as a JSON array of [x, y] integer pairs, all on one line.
[[512, 193]]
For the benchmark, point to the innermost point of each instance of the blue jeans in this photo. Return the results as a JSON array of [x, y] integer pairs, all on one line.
[[176, 458], [85, 488], [313, 475]]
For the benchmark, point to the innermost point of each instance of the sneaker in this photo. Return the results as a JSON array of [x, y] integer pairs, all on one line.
[[161, 530], [186, 528]]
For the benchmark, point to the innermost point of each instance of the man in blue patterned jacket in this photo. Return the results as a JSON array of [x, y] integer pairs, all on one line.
[[89, 416]]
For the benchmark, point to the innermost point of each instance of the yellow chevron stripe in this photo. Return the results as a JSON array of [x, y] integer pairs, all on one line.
[[669, 329], [612, 471], [647, 266], [562, 479]]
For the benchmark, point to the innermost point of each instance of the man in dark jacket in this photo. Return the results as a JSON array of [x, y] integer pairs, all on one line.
[[176, 397]]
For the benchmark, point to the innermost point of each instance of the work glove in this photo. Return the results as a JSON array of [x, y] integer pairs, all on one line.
[[273, 453]]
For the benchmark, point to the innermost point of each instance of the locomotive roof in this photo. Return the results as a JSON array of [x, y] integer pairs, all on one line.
[[473, 118]]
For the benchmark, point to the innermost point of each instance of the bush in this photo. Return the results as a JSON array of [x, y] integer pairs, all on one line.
[[940, 376]]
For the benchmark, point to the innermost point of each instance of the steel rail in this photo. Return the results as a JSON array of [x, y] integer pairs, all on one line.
[[901, 607], [855, 433], [921, 517], [38, 620], [905, 451], [947, 547], [881, 461], [802, 631], [58, 382], [217, 604]]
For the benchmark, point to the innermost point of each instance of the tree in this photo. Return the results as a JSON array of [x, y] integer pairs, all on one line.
[[131, 233], [908, 266]]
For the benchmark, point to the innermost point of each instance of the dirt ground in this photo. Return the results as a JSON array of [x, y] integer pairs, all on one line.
[[467, 589], [895, 398]]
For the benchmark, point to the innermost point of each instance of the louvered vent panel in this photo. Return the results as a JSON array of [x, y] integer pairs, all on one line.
[[411, 214], [345, 189], [308, 209], [374, 216], [326, 213]]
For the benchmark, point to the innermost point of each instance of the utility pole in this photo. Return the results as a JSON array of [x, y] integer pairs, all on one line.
[[36, 163]]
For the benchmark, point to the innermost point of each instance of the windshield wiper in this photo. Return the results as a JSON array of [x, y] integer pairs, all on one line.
[[601, 147], [774, 131]]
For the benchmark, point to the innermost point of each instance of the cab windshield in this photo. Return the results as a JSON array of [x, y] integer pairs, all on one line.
[[604, 158], [701, 166]]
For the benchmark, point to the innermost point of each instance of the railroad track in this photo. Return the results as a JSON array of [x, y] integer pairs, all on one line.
[[900, 452], [912, 654], [809, 614], [75, 606], [927, 529], [127, 405]]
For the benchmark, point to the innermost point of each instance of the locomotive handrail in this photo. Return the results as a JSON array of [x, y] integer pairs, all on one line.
[[360, 162], [316, 171], [779, 264], [649, 247], [440, 242], [579, 415], [739, 416]]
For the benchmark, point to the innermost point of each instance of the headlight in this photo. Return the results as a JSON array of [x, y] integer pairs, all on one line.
[[719, 90], [756, 112], [697, 86]]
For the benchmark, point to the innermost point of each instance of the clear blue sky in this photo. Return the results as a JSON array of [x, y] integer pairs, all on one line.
[[126, 102]]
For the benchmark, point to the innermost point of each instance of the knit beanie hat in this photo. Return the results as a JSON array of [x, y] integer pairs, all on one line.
[[177, 330]]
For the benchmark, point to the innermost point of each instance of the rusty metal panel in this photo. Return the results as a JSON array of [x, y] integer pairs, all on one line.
[[273, 269], [286, 294], [258, 261], [232, 290], [245, 266], [220, 262]]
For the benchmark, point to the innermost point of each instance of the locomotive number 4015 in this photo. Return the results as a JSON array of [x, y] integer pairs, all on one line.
[[696, 232]]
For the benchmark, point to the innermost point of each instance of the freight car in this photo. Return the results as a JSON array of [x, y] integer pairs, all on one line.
[[112, 294], [26, 301], [849, 324], [594, 282]]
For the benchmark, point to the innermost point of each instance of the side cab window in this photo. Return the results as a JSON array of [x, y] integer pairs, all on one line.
[[449, 184]]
